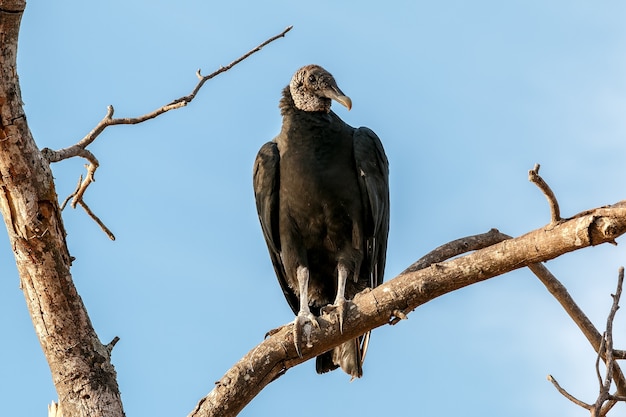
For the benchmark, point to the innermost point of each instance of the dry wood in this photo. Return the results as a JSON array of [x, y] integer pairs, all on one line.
[[371, 309], [81, 369], [80, 149], [80, 364]]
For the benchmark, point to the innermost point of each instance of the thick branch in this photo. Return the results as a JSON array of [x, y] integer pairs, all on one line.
[[374, 308], [80, 365], [553, 285], [456, 248]]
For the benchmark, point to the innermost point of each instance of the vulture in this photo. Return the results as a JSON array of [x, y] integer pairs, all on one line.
[[322, 195]]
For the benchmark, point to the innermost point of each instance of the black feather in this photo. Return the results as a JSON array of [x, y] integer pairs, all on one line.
[[322, 195]]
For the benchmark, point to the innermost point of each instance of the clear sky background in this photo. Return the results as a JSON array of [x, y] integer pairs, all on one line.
[[466, 97]]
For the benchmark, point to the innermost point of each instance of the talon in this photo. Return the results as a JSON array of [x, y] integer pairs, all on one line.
[[340, 309], [302, 325]]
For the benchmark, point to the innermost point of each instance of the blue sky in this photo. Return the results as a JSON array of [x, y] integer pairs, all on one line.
[[466, 97]]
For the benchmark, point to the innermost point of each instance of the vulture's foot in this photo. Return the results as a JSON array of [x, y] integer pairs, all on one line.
[[339, 309], [302, 327]]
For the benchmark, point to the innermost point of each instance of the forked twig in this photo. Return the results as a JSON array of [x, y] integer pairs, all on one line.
[[80, 149], [605, 400]]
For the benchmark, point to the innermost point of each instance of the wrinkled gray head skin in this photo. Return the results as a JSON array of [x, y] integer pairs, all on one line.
[[312, 89]]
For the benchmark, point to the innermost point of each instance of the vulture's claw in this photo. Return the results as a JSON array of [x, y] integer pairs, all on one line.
[[302, 326], [339, 309]]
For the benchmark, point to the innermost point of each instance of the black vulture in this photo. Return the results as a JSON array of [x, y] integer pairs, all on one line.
[[322, 195]]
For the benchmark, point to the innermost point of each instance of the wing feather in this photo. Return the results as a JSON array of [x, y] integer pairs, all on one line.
[[373, 168], [266, 180]]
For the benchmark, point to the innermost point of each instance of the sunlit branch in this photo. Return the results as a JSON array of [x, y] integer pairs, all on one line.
[[80, 149]]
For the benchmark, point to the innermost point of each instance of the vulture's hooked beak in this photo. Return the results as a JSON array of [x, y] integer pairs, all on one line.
[[336, 94]]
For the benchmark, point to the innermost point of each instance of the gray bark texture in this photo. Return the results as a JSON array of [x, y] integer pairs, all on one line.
[[80, 365]]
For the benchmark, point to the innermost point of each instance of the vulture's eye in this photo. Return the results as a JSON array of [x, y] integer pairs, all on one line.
[[311, 78]]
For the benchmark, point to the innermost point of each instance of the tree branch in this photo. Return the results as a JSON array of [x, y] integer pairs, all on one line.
[[552, 284], [567, 395], [605, 400], [374, 308], [535, 178], [80, 148], [80, 365], [558, 290]]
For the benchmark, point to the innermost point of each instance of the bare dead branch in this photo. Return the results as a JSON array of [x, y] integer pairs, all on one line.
[[605, 400], [96, 219], [108, 119], [448, 251], [81, 202], [204, 79], [599, 407], [535, 178], [109, 347], [567, 395], [80, 180], [456, 248], [80, 149], [619, 354], [558, 290], [599, 356], [554, 286], [277, 353]]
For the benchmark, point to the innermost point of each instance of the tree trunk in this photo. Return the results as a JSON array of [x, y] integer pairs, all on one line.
[[80, 364]]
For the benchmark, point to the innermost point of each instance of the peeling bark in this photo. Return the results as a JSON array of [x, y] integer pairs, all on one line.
[[81, 369]]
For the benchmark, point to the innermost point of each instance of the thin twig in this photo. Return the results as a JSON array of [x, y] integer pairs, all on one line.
[[80, 149], [605, 400], [96, 219], [599, 356], [112, 344], [535, 178], [608, 405], [567, 394], [205, 78], [80, 181], [605, 387], [558, 290]]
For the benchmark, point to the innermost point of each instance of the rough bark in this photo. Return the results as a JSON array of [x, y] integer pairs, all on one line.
[[371, 309], [81, 369], [80, 364]]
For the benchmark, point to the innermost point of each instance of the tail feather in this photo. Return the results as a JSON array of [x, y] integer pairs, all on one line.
[[324, 363], [349, 356]]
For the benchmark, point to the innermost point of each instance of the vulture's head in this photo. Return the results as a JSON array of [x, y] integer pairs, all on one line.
[[312, 89]]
